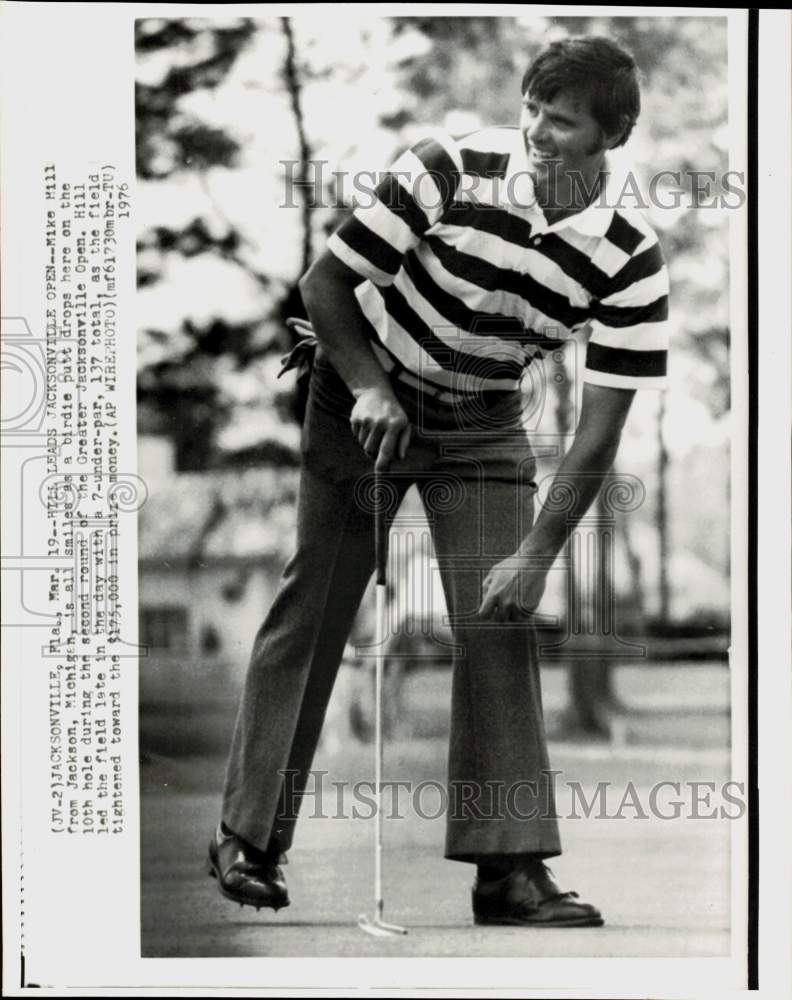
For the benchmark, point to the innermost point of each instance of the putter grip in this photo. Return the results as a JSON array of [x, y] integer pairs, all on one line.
[[380, 528]]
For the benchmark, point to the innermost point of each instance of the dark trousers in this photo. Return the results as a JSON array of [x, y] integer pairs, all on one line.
[[475, 477]]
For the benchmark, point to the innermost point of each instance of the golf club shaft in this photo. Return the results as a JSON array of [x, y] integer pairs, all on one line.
[[377, 927], [378, 748], [381, 561]]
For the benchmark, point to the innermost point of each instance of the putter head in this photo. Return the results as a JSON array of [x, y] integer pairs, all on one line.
[[378, 928]]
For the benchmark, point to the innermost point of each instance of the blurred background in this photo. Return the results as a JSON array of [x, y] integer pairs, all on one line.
[[226, 111]]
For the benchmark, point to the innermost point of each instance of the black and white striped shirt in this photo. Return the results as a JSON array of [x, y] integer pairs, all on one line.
[[466, 283]]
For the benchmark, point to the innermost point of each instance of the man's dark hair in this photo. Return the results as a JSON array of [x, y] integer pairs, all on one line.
[[595, 67]]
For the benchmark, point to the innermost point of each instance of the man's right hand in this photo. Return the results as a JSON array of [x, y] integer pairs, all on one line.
[[381, 426]]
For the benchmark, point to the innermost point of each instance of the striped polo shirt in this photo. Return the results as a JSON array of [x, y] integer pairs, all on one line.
[[466, 284]]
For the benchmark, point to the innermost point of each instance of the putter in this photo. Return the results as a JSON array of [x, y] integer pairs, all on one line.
[[375, 925]]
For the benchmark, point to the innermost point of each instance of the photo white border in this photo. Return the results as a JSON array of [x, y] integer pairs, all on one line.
[[37, 126]]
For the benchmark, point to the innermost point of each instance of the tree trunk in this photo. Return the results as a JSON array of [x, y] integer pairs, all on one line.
[[292, 304], [294, 88]]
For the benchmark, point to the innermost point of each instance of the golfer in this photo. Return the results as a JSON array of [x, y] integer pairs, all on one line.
[[473, 256]]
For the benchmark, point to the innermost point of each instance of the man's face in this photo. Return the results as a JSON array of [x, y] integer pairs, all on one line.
[[561, 136]]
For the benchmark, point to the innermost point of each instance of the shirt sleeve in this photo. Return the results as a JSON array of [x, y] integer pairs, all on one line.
[[393, 218], [628, 346]]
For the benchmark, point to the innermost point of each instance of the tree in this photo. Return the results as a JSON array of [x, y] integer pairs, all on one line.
[[180, 384]]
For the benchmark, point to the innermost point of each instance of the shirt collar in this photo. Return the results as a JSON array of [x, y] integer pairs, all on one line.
[[594, 220]]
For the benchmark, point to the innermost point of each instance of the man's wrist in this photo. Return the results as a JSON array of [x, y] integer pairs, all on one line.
[[381, 388], [540, 547]]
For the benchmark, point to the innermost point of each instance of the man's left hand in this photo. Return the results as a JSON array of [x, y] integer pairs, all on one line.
[[512, 590]]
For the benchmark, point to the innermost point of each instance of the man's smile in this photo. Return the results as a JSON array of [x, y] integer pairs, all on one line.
[[541, 155]]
